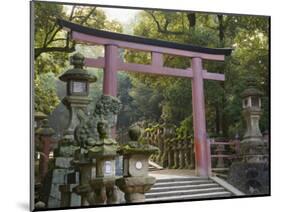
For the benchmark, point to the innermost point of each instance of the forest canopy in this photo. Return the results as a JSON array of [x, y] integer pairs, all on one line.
[[155, 98]]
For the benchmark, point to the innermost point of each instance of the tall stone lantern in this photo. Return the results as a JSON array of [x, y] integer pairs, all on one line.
[[64, 177], [251, 173], [78, 81], [136, 181], [252, 145]]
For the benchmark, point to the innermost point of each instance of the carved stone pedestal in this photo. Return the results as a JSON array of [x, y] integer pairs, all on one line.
[[135, 187], [105, 191]]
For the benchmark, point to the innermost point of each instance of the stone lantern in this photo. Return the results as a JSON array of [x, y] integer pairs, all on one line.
[[252, 145], [251, 173], [104, 152], [135, 181], [64, 177], [78, 81]]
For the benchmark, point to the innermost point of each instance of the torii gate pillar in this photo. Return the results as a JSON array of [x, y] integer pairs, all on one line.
[[202, 148], [110, 74], [110, 70]]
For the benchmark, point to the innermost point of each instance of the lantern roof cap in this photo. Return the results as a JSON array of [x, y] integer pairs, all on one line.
[[137, 145], [45, 129], [39, 115], [251, 89], [77, 72]]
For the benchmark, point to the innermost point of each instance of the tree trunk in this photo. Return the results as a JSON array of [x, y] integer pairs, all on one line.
[[192, 20]]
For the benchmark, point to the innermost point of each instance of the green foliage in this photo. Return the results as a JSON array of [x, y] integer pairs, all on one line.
[[249, 37], [52, 45], [45, 93]]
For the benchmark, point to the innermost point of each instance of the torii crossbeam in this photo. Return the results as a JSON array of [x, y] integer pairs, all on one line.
[[111, 63]]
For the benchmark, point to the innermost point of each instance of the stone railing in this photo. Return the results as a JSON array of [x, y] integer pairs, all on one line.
[[175, 153], [224, 153]]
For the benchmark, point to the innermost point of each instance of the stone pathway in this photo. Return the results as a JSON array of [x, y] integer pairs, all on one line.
[[172, 173]]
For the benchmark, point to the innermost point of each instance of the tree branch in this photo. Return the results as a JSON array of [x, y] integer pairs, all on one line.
[[72, 12], [165, 30], [88, 16], [39, 51]]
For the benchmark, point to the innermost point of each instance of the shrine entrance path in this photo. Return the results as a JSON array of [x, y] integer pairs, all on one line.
[[171, 173], [183, 184]]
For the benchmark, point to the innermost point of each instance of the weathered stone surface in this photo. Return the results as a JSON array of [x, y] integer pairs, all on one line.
[[250, 178], [135, 187], [58, 176], [63, 162], [54, 197]]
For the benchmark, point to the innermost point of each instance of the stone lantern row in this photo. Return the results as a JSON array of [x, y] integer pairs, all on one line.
[[84, 172]]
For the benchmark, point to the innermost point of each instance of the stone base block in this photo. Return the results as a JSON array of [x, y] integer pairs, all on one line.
[[250, 178]]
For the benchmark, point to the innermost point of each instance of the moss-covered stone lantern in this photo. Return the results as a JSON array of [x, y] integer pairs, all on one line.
[[252, 145], [104, 152], [136, 181], [78, 81]]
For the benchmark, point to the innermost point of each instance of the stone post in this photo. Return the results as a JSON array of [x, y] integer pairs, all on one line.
[[45, 134], [219, 151], [192, 155], [181, 154], [170, 154], [176, 154]]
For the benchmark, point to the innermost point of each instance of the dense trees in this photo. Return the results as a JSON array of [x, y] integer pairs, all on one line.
[[147, 97], [248, 36], [52, 45]]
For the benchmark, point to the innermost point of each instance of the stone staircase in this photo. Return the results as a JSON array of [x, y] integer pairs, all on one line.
[[185, 188]]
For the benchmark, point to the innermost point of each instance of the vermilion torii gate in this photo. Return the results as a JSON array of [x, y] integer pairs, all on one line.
[[111, 63]]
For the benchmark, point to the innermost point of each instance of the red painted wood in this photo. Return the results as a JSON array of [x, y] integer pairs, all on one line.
[[96, 63], [91, 39], [149, 69], [157, 59], [202, 152], [110, 70], [213, 76], [155, 68]]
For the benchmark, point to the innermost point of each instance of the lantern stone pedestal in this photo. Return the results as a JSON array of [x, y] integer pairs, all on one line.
[[86, 168], [136, 182], [251, 174]]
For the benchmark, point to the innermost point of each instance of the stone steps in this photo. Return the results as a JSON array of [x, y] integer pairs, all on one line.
[[184, 192], [181, 183], [184, 188], [193, 196]]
